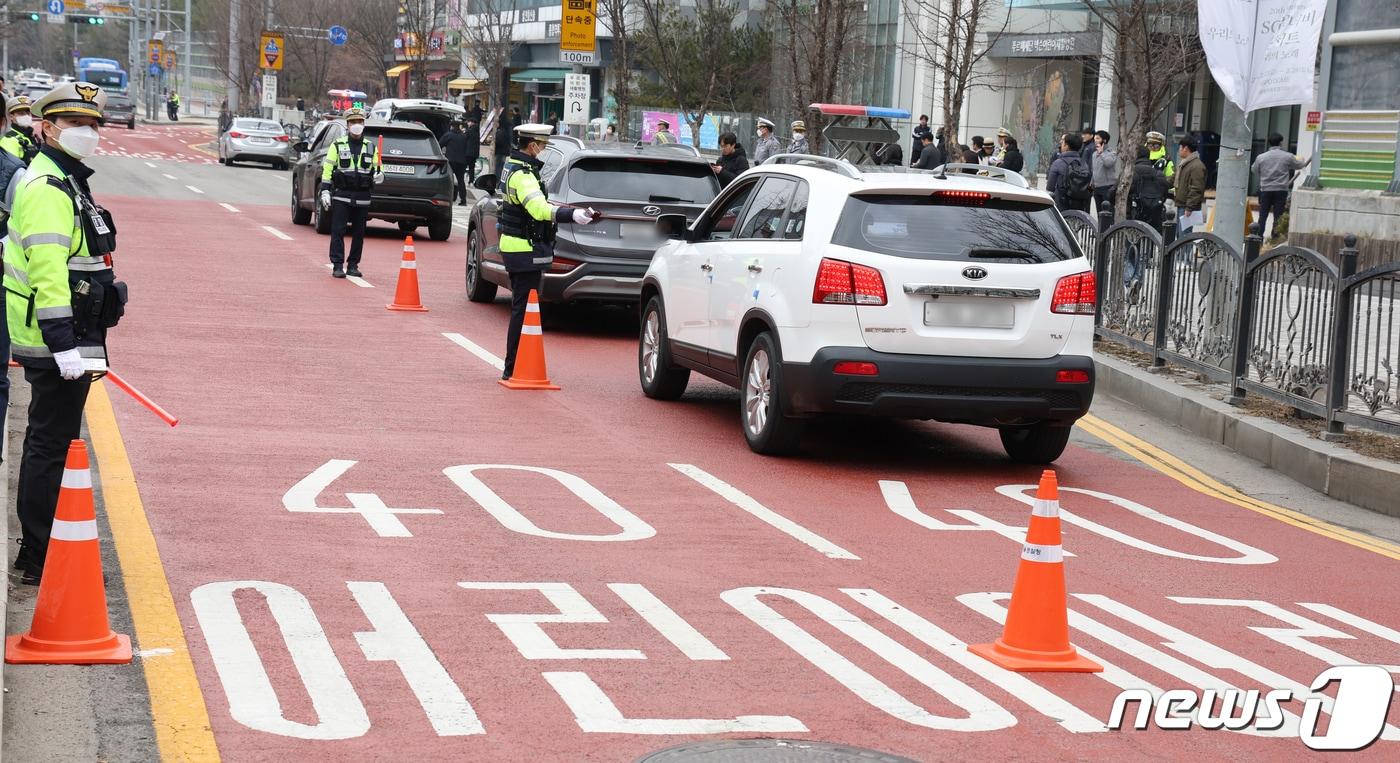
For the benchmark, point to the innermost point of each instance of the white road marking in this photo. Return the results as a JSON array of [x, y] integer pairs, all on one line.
[[229, 207], [277, 233], [462, 225], [630, 526], [159, 651], [358, 281], [667, 622], [301, 497], [763, 513], [476, 349], [524, 631], [192, 188], [166, 175], [595, 712], [152, 166]]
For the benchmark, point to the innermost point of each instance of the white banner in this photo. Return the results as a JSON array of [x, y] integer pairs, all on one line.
[[1262, 53]]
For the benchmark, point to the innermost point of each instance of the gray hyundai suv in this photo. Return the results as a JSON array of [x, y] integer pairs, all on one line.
[[604, 261]]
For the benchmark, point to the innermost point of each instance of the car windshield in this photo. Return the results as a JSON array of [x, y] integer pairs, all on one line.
[[117, 101], [407, 145], [256, 124], [928, 227], [643, 179]]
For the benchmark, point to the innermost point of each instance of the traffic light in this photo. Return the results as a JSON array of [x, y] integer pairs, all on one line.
[[92, 20], [98, 20], [33, 17]]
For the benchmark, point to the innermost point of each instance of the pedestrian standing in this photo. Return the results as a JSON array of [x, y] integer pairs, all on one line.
[[1190, 188], [1105, 164], [527, 223], [767, 144], [732, 159], [929, 157], [62, 300], [1070, 180], [472, 137], [799, 143], [226, 117], [1086, 152], [454, 147], [978, 143], [1148, 196], [663, 135], [475, 113], [19, 140], [610, 134], [1157, 152], [1013, 159], [920, 130], [1276, 168], [999, 155], [500, 142], [348, 175], [301, 104]]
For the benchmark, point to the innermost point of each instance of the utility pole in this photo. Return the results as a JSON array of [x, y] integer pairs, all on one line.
[[187, 82], [268, 111], [5, 55], [1232, 178], [235, 57]]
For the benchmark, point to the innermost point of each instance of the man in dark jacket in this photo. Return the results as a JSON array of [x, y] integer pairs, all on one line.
[[1148, 196], [454, 147], [920, 130], [1013, 159], [1057, 182], [732, 160], [505, 135], [473, 140], [929, 156]]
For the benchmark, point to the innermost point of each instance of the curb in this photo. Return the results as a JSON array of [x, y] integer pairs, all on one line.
[[1331, 469]]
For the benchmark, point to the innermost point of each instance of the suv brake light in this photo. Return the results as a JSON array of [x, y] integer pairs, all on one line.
[[844, 283], [1075, 295], [563, 265]]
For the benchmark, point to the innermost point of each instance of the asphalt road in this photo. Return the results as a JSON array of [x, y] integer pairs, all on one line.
[[372, 550]]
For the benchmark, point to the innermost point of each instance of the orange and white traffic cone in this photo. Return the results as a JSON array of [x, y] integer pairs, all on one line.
[[529, 371], [70, 624], [406, 293], [1036, 635]]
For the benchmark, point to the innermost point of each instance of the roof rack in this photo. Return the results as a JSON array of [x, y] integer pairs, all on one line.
[[983, 170], [813, 160]]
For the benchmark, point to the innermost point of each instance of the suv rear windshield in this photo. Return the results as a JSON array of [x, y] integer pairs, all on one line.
[[928, 228], [637, 179], [409, 145]]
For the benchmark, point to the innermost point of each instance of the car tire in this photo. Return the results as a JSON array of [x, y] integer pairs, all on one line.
[[478, 288], [323, 218], [761, 391], [661, 379], [1037, 444], [440, 229], [299, 216], [131, 125]]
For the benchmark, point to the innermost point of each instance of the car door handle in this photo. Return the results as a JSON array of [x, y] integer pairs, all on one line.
[[707, 267], [754, 267]]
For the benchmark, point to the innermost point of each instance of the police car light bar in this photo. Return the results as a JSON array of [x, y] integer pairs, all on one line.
[[850, 110]]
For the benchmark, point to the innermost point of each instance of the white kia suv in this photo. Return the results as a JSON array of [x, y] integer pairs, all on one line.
[[955, 295]]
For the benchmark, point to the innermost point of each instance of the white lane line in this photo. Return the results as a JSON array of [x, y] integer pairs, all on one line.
[[152, 166], [192, 188], [229, 207], [462, 225], [476, 349], [358, 281], [763, 513], [277, 233], [167, 176]]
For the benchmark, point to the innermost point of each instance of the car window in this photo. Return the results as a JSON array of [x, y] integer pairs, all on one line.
[[721, 224], [553, 159], [327, 136], [627, 178], [976, 228], [797, 214], [256, 124], [406, 145], [765, 216]]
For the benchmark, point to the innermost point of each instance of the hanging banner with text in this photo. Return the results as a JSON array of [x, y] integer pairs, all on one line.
[[1262, 53]]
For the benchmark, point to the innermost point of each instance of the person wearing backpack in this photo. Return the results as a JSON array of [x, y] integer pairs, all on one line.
[[1148, 196], [1071, 181]]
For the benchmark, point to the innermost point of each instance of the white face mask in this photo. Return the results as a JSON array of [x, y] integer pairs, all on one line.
[[357, 130], [79, 142], [24, 120]]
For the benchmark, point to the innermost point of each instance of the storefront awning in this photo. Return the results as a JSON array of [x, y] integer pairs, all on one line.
[[395, 71], [463, 83], [439, 75], [539, 75]]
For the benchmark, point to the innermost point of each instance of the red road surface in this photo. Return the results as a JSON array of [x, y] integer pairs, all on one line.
[[275, 370]]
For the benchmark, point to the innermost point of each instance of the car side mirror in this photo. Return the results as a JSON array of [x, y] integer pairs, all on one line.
[[672, 226], [485, 183], [300, 147]]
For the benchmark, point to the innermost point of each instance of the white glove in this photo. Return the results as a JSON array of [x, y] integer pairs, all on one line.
[[583, 216], [378, 178], [70, 364], [325, 198]]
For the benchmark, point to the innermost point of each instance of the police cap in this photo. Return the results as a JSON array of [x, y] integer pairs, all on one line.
[[1002, 132], [1156, 137], [355, 115], [531, 132], [72, 99], [799, 126], [765, 123], [20, 103]]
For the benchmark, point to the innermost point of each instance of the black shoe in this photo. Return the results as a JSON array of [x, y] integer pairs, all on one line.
[[505, 376], [353, 271], [337, 272], [31, 577]]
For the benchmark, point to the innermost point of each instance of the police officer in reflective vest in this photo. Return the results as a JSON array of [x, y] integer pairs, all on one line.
[[527, 223], [1157, 152], [61, 299], [348, 175], [19, 139]]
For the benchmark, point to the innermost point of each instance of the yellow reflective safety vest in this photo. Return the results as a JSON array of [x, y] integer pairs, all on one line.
[[52, 274], [526, 218], [349, 173], [20, 144], [1161, 162]]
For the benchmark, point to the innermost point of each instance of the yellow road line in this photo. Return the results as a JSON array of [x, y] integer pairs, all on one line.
[[177, 704], [1199, 481]]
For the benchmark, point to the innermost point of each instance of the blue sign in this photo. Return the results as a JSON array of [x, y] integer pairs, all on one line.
[[155, 68], [55, 7], [338, 35]]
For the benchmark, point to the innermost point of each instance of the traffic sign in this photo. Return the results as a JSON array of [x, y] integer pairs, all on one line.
[[154, 70], [55, 7], [585, 58], [168, 60], [269, 90], [578, 28], [155, 51], [338, 35], [576, 89], [270, 47]]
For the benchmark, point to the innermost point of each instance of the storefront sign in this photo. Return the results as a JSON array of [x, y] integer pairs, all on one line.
[[1055, 45], [1314, 121]]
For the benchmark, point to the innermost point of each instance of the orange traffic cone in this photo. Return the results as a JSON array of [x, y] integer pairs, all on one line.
[[406, 294], [1036, 635], [529, 372], [70, 617]]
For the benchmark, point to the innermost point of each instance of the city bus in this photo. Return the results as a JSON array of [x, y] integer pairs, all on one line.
[[103, 72]]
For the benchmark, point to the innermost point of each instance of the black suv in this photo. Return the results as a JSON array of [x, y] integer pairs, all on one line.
[[605, 260], [417, 187]]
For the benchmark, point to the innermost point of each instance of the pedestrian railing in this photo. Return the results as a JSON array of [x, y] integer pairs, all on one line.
[[1289, 326]]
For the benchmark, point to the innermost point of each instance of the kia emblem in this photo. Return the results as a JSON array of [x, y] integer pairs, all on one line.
[[652, 210], [974, 273]]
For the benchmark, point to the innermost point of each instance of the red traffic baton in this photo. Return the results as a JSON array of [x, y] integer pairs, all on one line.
[[136, 395]]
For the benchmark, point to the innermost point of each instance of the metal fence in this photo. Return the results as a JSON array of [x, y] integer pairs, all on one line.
[[1289, 325]]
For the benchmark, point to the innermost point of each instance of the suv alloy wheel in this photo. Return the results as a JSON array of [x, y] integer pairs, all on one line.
[[661, 380], [478, 289], [761, 391]]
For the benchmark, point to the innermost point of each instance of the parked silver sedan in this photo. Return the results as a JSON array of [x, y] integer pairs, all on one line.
[[255, 140]]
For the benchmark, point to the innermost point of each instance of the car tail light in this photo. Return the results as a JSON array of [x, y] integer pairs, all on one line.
[[563, 265], [1072, 377], [1075, 295], [962, 198], [845, 283], [235, 134], [856, 368], [284, 138]]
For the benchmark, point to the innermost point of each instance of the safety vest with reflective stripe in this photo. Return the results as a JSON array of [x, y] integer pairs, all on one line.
[[1160, 161], [46, 247], [357, 170], [19, 144], [524, 197]]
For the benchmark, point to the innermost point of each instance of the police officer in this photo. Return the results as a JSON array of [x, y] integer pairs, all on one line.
[[799, 143], [348, 175], [527, 223], [61, 300], [1157, 152], [19, 139], [768, 143]]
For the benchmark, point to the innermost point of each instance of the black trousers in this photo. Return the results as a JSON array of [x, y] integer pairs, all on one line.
[[355, 215], [1271, 201], [459, 171], [1104, 196], [55, 420], [520, 285], [471, 168]]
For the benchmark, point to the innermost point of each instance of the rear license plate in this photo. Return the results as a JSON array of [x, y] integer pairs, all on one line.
[[261, 141], [399, 169], [643, 231], [983, 314]]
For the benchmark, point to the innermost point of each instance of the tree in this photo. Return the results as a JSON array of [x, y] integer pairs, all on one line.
[[1156, 52], [308, 55], [822, 43], [488, 41], [421, 25], [373, 27], [619, 15], [952, 37]]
